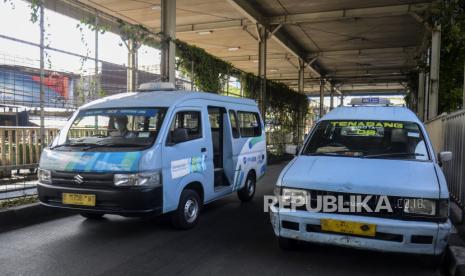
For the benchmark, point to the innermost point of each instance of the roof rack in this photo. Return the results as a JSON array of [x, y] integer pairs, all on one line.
[[372, 101], [156, 86]]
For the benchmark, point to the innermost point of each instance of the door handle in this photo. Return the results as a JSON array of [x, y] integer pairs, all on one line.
[[203, 150]]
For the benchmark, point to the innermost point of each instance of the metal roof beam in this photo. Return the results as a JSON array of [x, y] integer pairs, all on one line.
[[283, 40], [212, 26], [314, 17], [361, 52], [365, 52]]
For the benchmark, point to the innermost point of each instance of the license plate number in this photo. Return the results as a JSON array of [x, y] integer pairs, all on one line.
[[348, 227], [78, 199]]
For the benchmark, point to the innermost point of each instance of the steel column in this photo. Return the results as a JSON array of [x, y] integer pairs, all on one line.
[[434, 72], [301, 75], [168, 47], [132, 66], [463, 99], [421, 95], [96, 76], [263, 36], [42, 76], [331, 103], [341, 99], [301, 116], [322, 96]]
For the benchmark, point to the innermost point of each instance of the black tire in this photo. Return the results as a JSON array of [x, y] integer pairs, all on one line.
[[187, 214], [92, 216], [287, 244], [247, 192]]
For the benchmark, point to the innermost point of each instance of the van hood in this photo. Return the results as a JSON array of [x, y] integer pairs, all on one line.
[[363, 176], [125, 162]]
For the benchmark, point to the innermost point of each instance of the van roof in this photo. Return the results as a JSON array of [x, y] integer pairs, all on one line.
[[391, 113], [160, 99]]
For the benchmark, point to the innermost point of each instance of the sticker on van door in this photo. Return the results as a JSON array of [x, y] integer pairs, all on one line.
[[183, 167]]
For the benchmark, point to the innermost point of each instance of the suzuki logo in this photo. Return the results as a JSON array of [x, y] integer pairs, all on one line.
[[78, 179]]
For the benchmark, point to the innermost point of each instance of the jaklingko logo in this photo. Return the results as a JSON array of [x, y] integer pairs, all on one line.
[[331, 203]]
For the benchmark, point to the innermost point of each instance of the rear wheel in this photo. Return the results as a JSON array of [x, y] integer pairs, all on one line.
[[187, 214], [92, 215], [247, 192], [286, 243]]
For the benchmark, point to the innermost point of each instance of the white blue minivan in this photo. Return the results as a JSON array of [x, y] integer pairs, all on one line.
[[155, 151], [366, 177]]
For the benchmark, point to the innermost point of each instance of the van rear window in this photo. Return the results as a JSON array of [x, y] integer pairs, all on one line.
[[249, 124]]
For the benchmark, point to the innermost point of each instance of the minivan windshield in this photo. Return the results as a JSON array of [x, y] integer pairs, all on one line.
[[113, 128], [368, 139]]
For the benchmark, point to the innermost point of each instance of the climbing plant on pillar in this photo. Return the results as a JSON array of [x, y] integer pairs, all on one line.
[[205, 70], [450, 15]]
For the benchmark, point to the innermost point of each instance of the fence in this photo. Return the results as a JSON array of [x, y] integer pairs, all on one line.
[[446, 133], [20, 147]]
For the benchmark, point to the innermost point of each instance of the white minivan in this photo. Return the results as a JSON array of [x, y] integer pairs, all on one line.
[[155, 151], [366, 177]]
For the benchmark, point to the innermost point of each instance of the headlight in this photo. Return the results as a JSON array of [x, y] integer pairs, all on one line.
[[294, 196], [151, 179], [44, 176], [419, 206]]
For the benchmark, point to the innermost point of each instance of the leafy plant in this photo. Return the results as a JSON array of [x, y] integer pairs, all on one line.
[[450, 15]]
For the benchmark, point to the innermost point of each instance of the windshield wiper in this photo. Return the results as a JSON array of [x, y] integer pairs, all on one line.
[[393, 154], [74, 145], [121, 145], [88, 146], [337, 152]]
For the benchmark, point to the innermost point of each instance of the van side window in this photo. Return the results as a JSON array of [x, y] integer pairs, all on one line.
[[189, 120], [234, 126], [249, 123]]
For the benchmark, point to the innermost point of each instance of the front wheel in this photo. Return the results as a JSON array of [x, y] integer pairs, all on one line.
[[247, 192], [187, 214]]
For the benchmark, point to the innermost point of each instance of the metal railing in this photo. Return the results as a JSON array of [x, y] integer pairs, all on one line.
[[447, 133], [20, 147]]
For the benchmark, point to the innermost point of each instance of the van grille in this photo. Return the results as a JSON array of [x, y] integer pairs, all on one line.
[[394, 201], [87, 180]]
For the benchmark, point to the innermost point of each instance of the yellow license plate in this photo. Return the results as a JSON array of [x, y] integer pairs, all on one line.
[[348, 227], [78, 199]]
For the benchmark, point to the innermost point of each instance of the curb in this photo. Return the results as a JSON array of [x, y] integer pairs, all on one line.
[[454, 262], [28, 214]]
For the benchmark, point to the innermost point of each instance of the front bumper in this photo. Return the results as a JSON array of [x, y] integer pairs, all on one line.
[[127, 201], [392, 235]]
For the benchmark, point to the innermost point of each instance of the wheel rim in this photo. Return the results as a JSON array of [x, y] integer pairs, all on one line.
[[191, 210], [250, 187]]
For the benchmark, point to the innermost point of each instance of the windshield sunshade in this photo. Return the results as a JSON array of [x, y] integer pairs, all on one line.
[[370, 139], [113, 128]]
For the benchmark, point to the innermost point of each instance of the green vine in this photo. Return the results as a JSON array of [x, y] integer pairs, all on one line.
[[206, 71], [450, 15], [208, 74], [137, 33], [35, 11]]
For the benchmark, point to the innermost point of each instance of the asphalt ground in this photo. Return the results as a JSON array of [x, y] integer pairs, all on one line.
[[232, 238]]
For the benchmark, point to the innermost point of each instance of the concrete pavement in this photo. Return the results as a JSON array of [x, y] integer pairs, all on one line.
[[232, 238]]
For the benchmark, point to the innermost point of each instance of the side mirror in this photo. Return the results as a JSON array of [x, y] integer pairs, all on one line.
[[444, 156], [179, 135], [292, 149]]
